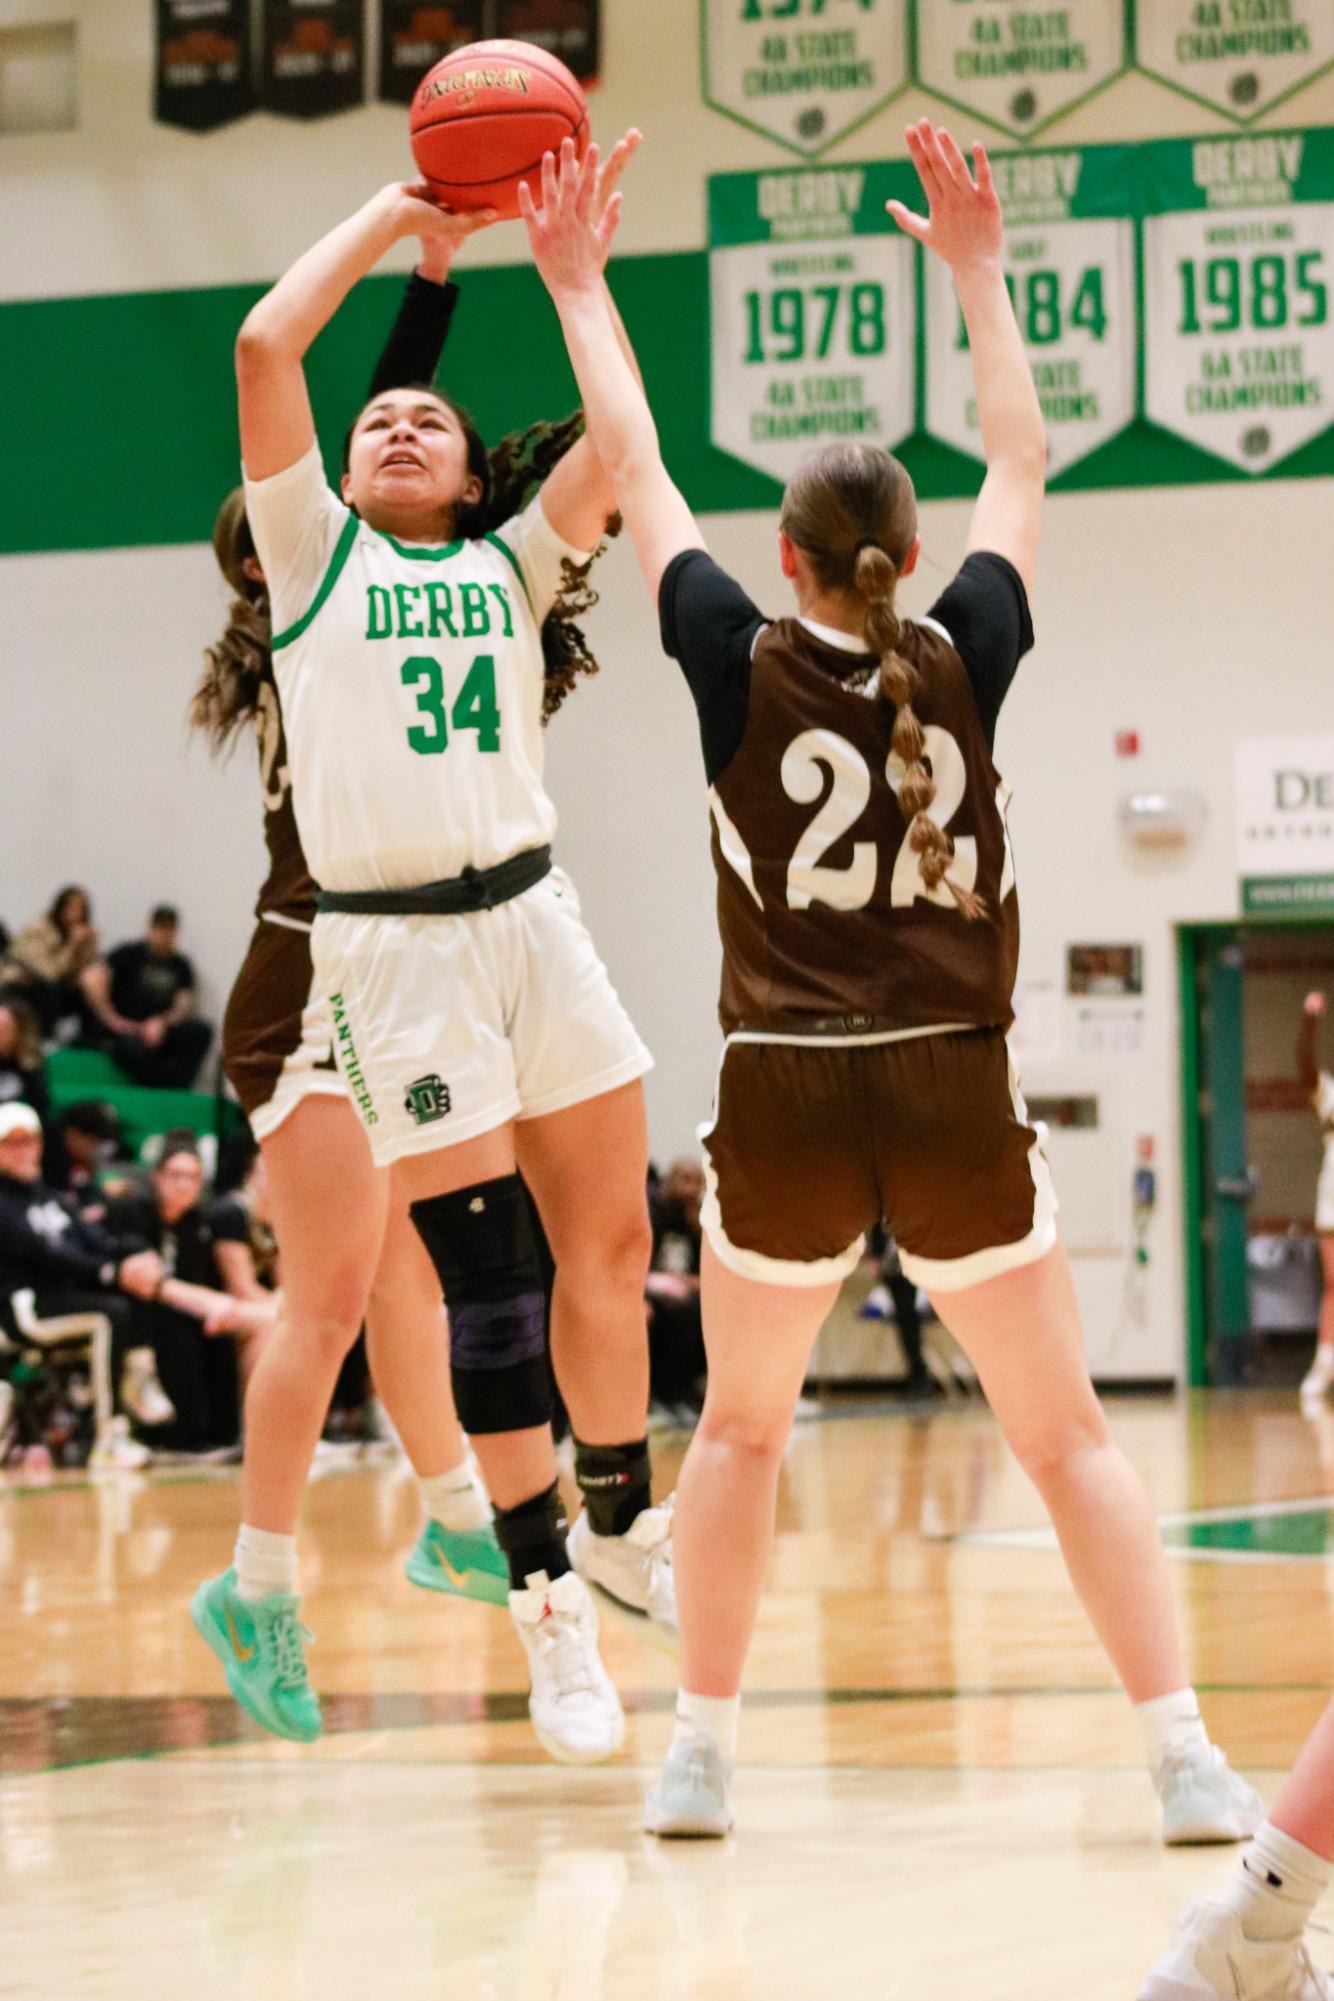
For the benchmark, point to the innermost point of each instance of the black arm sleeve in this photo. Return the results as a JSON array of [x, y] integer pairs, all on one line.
[[417, 338], [985, 612], [709, 626]]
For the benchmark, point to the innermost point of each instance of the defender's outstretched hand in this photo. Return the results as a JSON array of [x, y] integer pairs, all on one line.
[[611, 169], [963, 223], [569, 248]]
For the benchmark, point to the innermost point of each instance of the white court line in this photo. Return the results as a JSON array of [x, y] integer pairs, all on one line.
[[1045, 1537]]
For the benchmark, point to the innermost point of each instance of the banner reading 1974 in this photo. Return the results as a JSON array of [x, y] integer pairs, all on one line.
[[813, 309], [1070, 267], [1238, 270], [804, 72]]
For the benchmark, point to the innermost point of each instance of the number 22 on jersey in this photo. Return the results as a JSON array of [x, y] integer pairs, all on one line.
[[852, 885]]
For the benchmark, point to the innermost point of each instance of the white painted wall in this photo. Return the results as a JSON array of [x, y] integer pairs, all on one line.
[[1194, 616]]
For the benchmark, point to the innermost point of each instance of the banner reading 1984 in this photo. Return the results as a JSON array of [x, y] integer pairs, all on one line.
[[1238, 270], [813, 307], [1070, 267]]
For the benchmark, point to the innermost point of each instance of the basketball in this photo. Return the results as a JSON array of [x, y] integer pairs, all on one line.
[[482, 119]]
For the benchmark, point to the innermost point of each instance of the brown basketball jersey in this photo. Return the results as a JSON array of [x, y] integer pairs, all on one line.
[[288, 889], [827, 923]]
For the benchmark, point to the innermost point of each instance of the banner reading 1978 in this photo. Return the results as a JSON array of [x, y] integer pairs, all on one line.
[[1070, 267], [1238, 270], [813, 309]]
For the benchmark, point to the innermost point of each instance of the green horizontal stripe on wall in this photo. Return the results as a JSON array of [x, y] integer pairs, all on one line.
[[118, 418]]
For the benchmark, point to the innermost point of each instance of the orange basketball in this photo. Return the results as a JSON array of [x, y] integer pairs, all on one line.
[[482, 119]]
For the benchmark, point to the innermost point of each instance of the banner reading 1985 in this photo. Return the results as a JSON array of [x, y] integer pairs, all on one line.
[[1070, 267], [813, 308], [1238, 271]]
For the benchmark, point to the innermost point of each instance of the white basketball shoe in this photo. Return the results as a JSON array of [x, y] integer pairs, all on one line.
[[574, 1708], [692, 1799], [632, 1572], [1204, 1800], [1211, 1959]]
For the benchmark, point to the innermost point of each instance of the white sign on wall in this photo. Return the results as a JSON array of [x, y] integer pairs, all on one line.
[[803, 72], [1285, 825], [1239, 56]]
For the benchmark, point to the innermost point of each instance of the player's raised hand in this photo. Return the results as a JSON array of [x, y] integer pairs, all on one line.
[[569, 248], [610, 170], [416, 212], [1314, 1004], [963, 220]]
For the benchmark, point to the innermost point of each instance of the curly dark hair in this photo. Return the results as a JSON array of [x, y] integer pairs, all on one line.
[[235, 669]]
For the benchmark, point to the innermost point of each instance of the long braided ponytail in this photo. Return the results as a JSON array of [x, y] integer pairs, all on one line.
[[876, 576], [852, 511]]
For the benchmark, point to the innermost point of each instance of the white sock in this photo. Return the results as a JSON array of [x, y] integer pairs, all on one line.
[[1171, 1723], [264, 1563], [1275, 1886], [715, 1716], [457, 1499]]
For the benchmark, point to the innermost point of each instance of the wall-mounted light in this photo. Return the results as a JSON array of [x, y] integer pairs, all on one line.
[[1168, 819]]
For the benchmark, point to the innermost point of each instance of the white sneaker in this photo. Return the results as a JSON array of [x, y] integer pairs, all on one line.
[[1319, 1378], [1211, 1959], [1204, 1800], [574, 1708], [115, 1451], [691, 1799], [633, 1572], [141, 1392]]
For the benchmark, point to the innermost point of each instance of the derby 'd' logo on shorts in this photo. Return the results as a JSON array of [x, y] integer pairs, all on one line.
[[426, 1100]]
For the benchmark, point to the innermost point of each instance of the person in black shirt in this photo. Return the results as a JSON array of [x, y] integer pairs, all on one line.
[[677, 1361], [866, 898], [22, 1067], [143, 994]]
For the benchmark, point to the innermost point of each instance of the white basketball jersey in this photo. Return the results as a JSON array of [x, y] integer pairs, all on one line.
[[411, 685]]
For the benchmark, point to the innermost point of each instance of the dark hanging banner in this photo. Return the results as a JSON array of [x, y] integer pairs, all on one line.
[[571, 29], [414, 37], [314, 57], [203, 63]]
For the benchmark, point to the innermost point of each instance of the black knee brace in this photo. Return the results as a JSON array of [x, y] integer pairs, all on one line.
[[482, 1245]]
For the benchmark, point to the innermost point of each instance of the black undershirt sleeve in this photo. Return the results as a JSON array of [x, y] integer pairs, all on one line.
[[417, 338], [985, 612], [709, 627]]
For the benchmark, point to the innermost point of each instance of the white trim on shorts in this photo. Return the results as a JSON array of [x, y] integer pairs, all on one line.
[[291, 1090], [956, 1274], [1324, 1193], [286, 923]]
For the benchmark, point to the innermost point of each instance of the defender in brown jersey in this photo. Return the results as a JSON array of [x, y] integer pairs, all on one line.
[[867, 905]]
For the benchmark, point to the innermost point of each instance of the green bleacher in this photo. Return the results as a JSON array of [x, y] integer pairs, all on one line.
[[74, 1075]]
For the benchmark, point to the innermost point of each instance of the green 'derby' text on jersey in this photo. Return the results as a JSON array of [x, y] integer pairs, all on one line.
[[410, 678]]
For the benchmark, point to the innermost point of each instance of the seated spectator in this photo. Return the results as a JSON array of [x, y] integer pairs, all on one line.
[[81, 1142], [46, 963], [22, 1066], [55, 1266], [677, 1364], [143, 995], [199, 1371]]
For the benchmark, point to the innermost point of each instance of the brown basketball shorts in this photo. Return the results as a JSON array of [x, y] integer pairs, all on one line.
[[815, 1141], [277, 1034]]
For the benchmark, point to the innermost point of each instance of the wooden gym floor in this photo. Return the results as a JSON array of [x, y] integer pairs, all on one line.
[[940, 1796]]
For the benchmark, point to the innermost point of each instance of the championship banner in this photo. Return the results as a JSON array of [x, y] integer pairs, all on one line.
[[313, 57], [570, 29], [203, 63], [1020, 67], [813, 312], [1238, 266], [1070, 268], [414, 37], [1239, 59], [803, 72]]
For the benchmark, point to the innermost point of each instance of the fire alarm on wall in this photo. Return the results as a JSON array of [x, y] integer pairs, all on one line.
[[1127, 743]]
